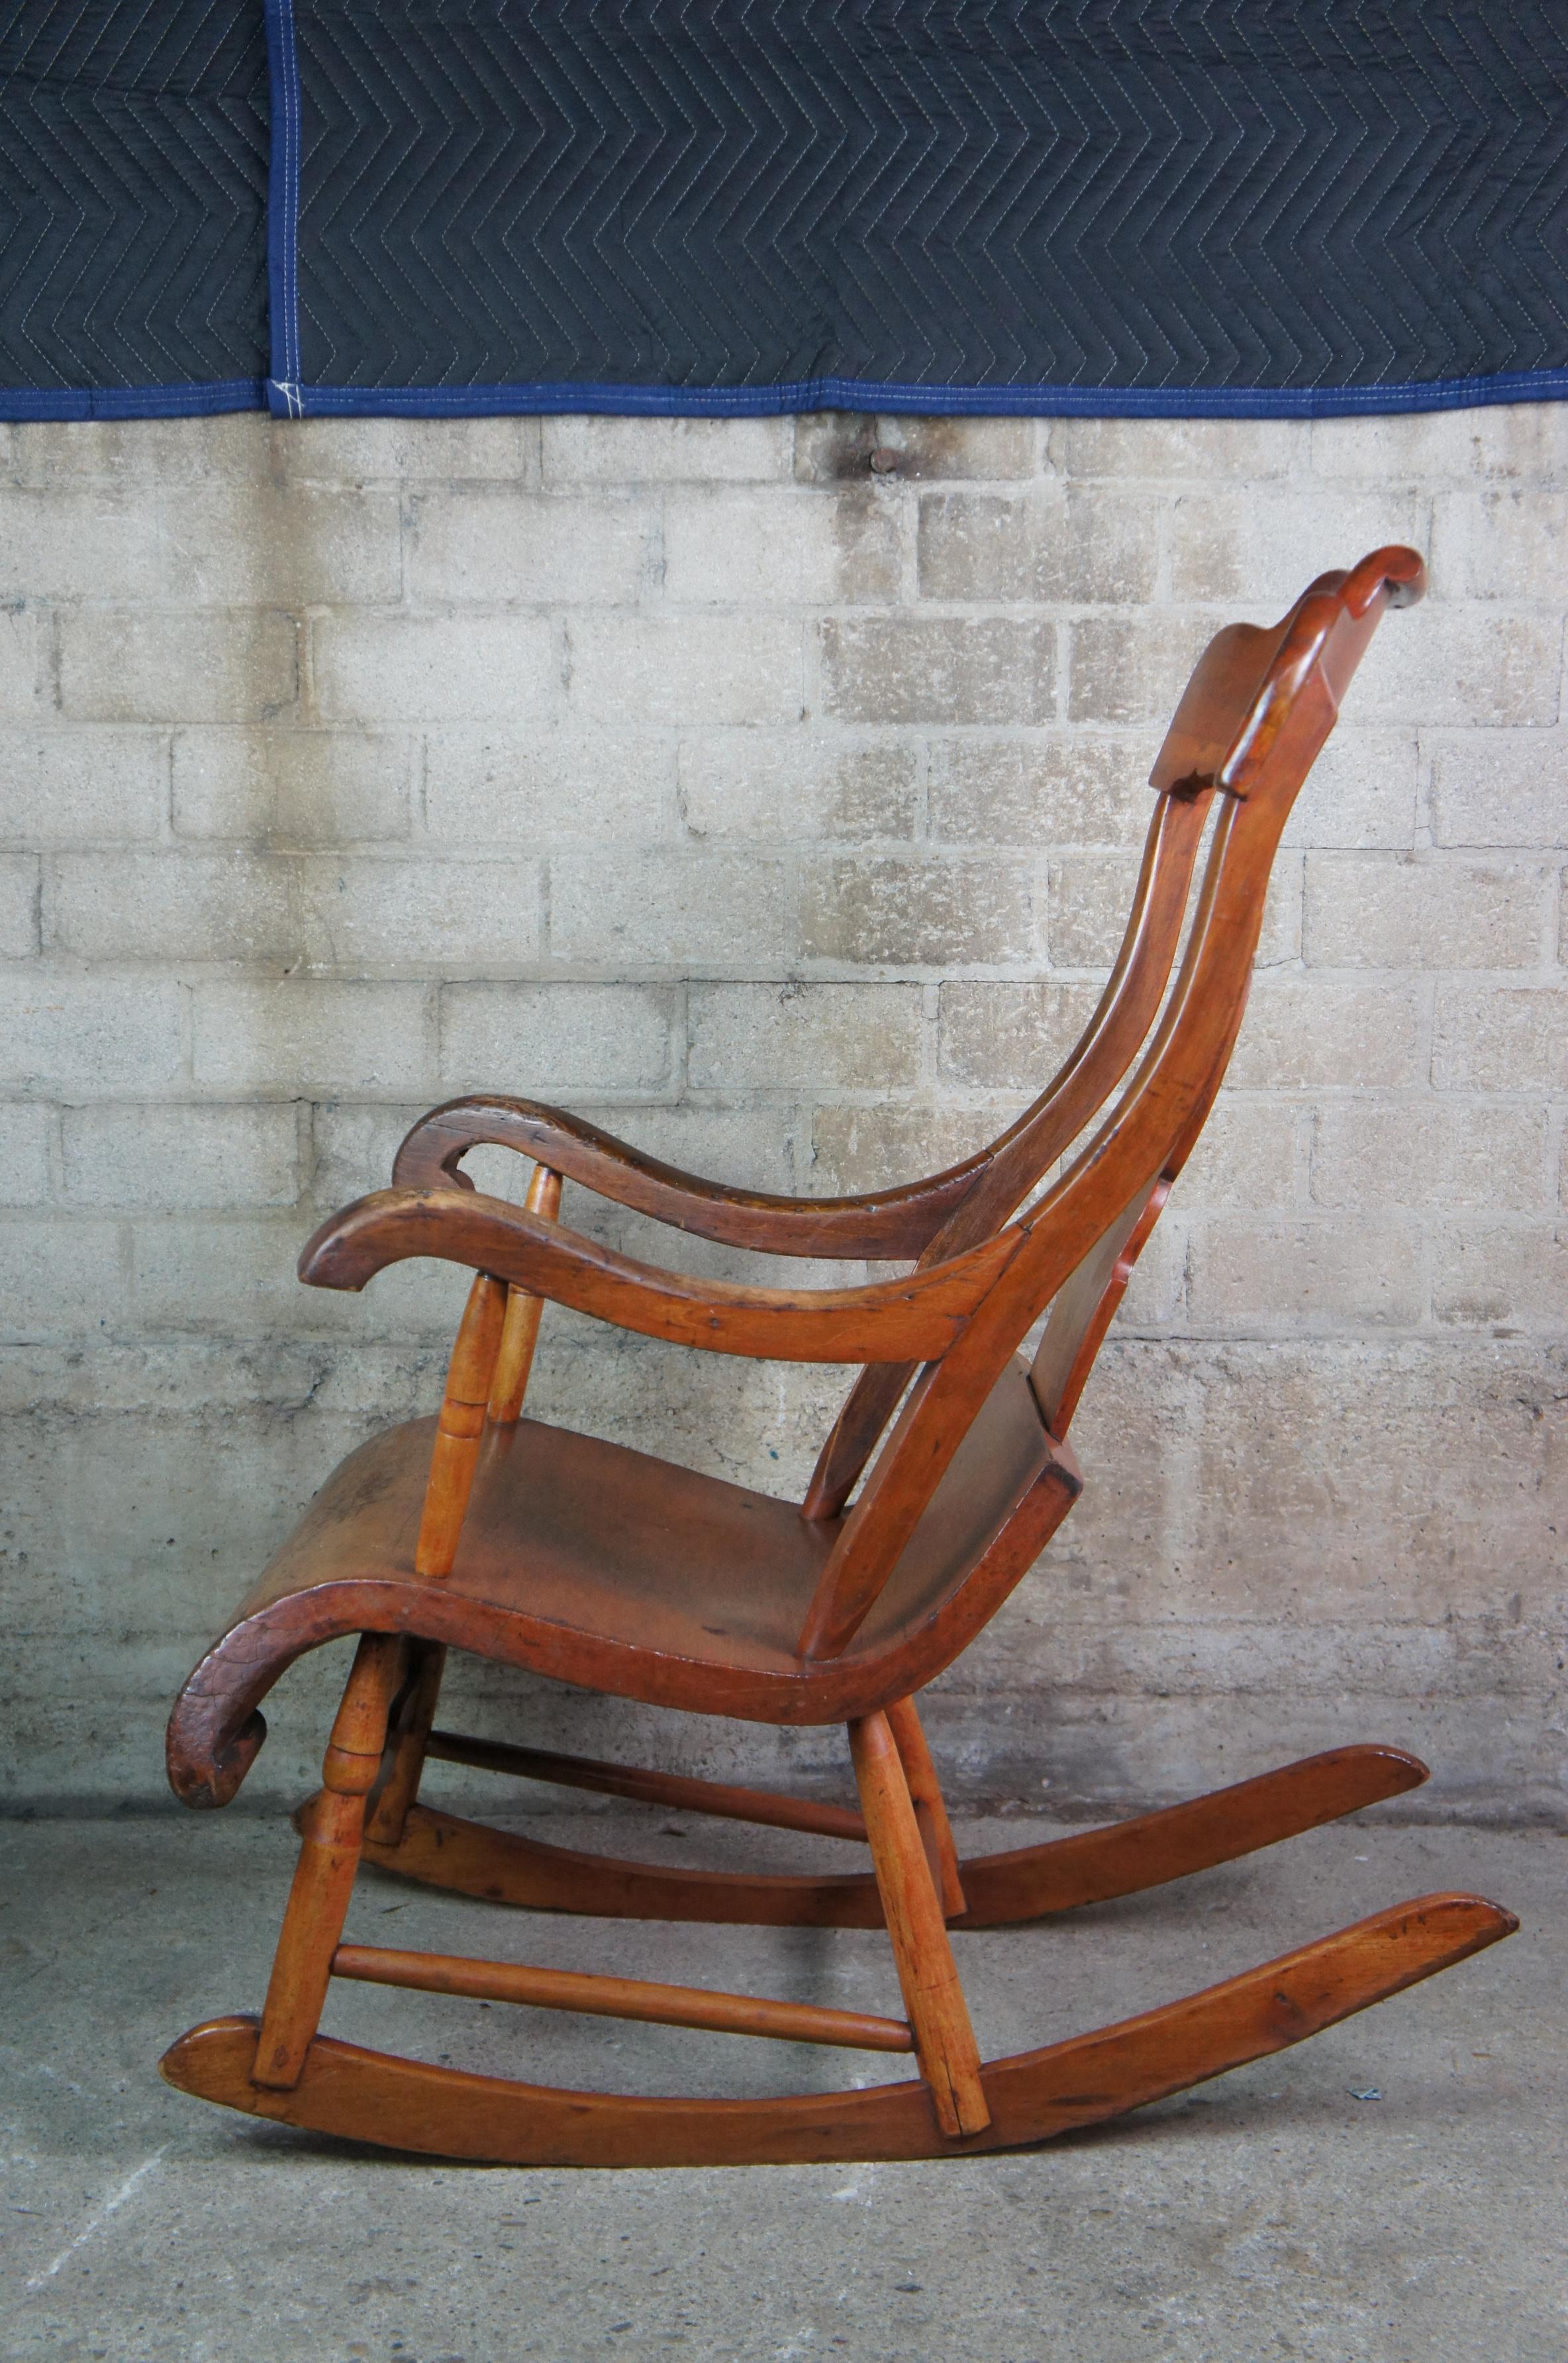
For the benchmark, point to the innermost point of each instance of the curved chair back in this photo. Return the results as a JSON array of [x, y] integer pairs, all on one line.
[[1256, 714]]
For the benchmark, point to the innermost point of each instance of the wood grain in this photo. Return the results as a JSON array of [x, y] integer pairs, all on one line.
[[1023, 1883], [927, 1975], [1033, 2096], [887, 1320], [520, 1332], [632, 1998], [652, 1788], [598, 1566], [455, 1452], [328, 1859]]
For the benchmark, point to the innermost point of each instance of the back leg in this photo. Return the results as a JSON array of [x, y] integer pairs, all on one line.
[[413, 1718], [930, 1812], [927, 1975]]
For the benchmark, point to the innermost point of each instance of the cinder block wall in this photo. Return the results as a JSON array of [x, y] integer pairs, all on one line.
[[782, 816]]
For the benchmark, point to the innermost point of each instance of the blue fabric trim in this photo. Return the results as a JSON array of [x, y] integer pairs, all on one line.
[[772, 401], [854, 394], [284, 211], [134, 401]]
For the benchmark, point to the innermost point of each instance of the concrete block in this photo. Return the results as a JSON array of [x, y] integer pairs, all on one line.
[[60, 541], [691, 771], [1044, 788], [385, 912], [1216, 449], [533, 1038], [380, 668], [88, 1034], [1090, 895], [230, 1275], [1133, 668], [354, 1144], [592, 451], [1088, 898], [21, 661], [1431, 1153], [1010, 1037], [1361, 792], [83, 787], [1412, 1463], [1442, 665], [1391, 910], [1500, 787], [835, 444], [1502, 544], [26, 1132], [181, 1157], [651, 909], [793, 786], [642, 670], [512, 787], [148, 664], [892, 912], [1157, 1290], [148, 452], [64, 1277], [1304, 1032], [1306, 1276], [1501, 1038], [505, 542], [174, 906], [806, 1036], [1244, 1161], [399, 450], [271, 543], [780, 548], [1047, 543], [857, 1148], [1526, 439], [939, 669], [1258, 547], [303, 1034], [19, 905], [1511, 1275], [295, 787]]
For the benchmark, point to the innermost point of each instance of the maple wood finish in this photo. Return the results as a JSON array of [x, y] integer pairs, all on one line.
[[598, 1565], [407, 2105]]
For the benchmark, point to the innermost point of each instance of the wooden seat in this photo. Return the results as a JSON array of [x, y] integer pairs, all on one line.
[[944, 1475], [677, 1588]]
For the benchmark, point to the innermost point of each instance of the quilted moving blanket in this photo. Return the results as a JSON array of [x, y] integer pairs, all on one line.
[[1220, 207]]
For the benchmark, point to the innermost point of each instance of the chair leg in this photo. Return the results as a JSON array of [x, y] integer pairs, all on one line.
[[927, 1975], [329, 1856], [931, 1810], [411, 1740]]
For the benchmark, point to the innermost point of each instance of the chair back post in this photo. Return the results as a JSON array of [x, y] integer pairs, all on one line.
[[1256, 714], [1006, 1172]]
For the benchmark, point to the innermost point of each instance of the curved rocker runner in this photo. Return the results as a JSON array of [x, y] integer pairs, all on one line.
[[945, 1474]]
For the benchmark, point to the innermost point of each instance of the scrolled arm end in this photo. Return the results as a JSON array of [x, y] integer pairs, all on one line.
[[353, 1244]]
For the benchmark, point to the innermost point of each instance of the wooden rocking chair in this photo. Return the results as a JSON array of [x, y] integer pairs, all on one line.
[[598, 1565]]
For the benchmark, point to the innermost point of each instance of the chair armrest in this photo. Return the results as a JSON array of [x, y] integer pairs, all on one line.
[[912, 1319], [888, 1224]]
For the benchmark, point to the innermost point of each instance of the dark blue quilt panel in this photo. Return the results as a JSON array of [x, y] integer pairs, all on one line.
[[1259, 206], [134, 146]]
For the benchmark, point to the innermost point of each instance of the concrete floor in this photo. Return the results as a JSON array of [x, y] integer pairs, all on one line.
[[1394, 2190]]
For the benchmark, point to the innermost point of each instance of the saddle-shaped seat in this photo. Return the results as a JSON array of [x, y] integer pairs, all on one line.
[[943, 1477], [673, 1587]]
